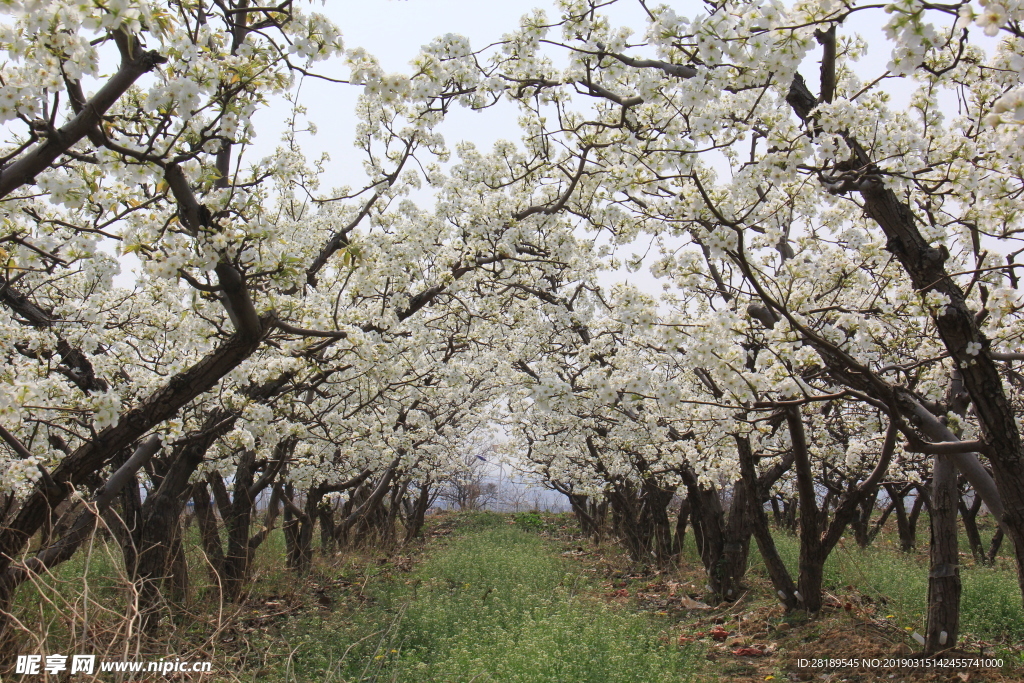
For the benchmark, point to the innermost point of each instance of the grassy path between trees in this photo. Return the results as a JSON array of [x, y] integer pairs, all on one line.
[[493, 603]]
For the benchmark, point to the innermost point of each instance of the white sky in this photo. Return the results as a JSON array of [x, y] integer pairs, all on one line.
[[395, 30]]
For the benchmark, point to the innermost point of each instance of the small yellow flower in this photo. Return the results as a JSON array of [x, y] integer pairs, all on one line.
[[394, 650], [769, 677], [890, 616], [379, 657], [908, 628]]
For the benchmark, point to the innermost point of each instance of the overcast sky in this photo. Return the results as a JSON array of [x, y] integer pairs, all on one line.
[[395, 30]]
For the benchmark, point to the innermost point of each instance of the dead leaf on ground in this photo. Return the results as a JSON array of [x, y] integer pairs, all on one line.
[[690, 603]]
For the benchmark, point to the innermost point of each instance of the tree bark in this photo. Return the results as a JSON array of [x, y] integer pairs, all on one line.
[[944, 578], [233, 564], [862, 521], [417, 515], [777, 571], [682, 517], [812, 559], [209, 536], [158, 536], [818, 536], [879, 523], [993, 548], [969, 516], [723, 547]]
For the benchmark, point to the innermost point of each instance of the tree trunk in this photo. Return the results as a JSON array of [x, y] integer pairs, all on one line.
[[681, 519], [812, 557], [290, 528], [582, 510], [944, 579], [880, 522], [158, 535], [777, 571], [723, 548], [209, 535], [655, 516], [862, 522], [417, 515], [993, 549], [791, 507], [920, 503], [307, 526], [236, 514], [178, 575], [902, 521], [969, 515], [358, 523], [238, 521], [776, 511], [390, 520], [328, 540], [625, 503], [906, 524], [736, 549]]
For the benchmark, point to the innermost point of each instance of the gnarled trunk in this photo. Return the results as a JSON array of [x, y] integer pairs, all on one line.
[[723, 543], [416, 513], [777, 572]]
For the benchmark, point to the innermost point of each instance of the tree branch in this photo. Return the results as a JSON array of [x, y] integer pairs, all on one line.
[[66, 546], [37, 159]]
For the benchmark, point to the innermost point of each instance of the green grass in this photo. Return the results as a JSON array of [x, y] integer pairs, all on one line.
[[496, 604], [493, 601], [990, 603]]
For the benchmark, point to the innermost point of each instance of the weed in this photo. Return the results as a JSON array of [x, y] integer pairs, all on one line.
[[529, 521], [494, 605]]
